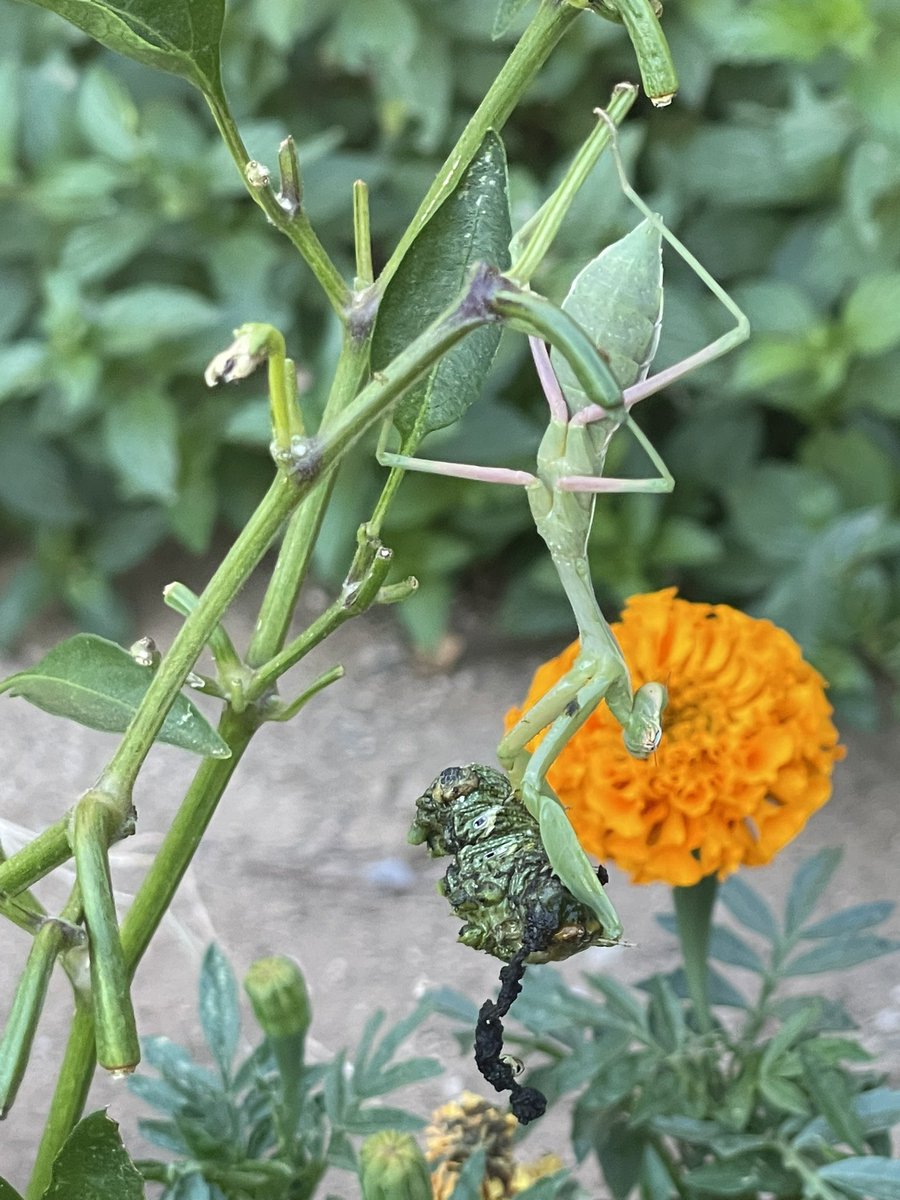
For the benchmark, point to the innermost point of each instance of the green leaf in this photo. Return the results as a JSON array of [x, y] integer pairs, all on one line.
[[181, 36], [141, 434], [94, 1165], [731, 1178], [507, 11], [876, 1111], [139, 318], [872, 314], [107, 115], [850, 920], [34, 478], [783, 1094], [665, 1014], [870, 1177], [97, 683], [727, 947], [747, 906], [830, 1089], [220, 1013], [469, 1180], [22, 367], [7, 1191], [471, 226], [809, 883], [839, 954]]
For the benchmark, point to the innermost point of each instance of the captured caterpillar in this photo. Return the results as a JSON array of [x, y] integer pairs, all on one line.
[[502, 885]]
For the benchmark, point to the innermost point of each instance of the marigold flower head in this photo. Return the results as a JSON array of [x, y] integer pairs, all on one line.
[[746, 756], [459, 1128]]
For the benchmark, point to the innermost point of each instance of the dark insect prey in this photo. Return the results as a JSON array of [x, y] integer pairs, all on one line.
[[501, 884]]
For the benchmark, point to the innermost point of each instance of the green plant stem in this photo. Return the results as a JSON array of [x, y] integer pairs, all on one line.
[[69, 1097], [43, 854], [280, 600], [693, 914], [138, 926], [292, 222], [94, 824], [249, 547], [529, 54]]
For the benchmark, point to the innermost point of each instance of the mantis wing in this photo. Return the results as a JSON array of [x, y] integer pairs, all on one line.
[[617, 300]]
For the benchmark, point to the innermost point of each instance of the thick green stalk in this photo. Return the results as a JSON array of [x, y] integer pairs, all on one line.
[[529, 54], [94, 823], [693, 914], [69, 1097], [43, 854]]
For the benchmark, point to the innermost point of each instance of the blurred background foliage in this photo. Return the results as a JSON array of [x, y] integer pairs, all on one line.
[[128, 251]]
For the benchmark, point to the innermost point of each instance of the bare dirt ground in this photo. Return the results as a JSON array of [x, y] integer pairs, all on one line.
[[308, 856]]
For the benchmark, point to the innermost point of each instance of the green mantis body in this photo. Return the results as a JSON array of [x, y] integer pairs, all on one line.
[[617, 300]]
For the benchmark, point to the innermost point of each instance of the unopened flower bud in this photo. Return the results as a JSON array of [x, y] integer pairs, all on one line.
[[277, 991], [392, 1167]]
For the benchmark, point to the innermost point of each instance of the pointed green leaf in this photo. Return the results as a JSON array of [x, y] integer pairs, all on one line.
[[617, 300], [94, 1165], [469, 1180], [507, 11], [471, 226], [851, 920], [97, 683], [876, 1111], [840, 953], [727, 947], [830, 1089], [733, 1178], [181, 36], [870, 1177], [807, 886], [220, 1013], [747, 906]]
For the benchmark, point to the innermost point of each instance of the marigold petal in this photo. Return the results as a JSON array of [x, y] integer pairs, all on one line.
[[746, 757]]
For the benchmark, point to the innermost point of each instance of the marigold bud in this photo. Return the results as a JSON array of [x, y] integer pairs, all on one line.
[[277, 991], [392, 1167]]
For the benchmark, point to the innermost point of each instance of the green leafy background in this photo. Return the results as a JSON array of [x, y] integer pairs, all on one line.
[[128, 250]]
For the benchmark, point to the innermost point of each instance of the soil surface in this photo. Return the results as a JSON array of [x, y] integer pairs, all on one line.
[[308, 856]]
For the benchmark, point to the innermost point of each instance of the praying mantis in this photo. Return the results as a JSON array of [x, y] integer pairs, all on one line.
[[618, 300]]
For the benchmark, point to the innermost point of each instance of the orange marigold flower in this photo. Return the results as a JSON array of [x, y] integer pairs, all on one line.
[[746, 756]]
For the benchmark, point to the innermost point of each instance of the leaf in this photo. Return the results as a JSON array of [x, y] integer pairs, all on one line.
[[727, 947], [181, 36], [830, 1090], [872, 314], [839, 954], [468, 1182], [136, 319], [724, 1178], [141, 435], [809, 882], [870, 1177], [747, 906], [876, 1111], [34, 478], [783, 1094], [665, 1015], [220, 1013], [850, 920], [97, 683], [617, 300], [7, 1191], [94, 1165], [472, 225], [507, 11]]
